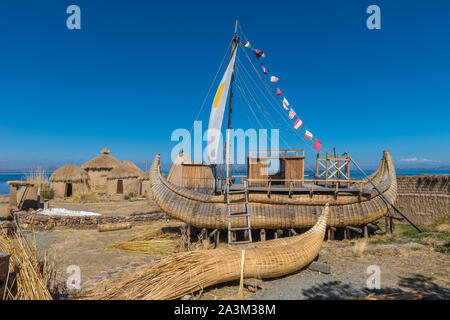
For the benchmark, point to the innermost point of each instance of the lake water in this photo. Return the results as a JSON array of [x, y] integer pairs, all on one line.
[[9, 176]]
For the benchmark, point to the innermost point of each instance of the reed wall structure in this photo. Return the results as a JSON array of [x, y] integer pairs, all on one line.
[[424, 198]]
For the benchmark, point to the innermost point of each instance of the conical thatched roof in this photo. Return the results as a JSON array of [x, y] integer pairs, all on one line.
[[69, 173], [103, 161], [132, 165], [145, 176], [175, 171], [124, 171]]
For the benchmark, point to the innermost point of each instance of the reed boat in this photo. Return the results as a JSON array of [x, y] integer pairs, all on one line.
[[356, 205], [187, 272], [207, 195]]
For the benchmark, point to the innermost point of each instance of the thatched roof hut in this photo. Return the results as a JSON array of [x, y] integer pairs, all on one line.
[[175, 173], [103, 161], [69, 179], [99, 168], [144, 184], [132, 165], [69, 173], [123, 179]]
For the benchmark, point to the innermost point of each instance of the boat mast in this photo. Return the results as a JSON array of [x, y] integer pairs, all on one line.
[[230, 110]]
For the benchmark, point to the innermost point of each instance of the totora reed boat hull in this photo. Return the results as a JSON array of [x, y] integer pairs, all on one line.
[[279, 210], [188, 272]]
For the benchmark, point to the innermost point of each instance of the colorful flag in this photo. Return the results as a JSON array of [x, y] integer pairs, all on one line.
[[298, 124], [308, 135], [285, 103], [279, 94], [264, 69], [247, 44], [292, 114], [317, 144], [259, 53], [273, 79]]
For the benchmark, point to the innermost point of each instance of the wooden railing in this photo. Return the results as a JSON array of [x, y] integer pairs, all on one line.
[[290, 183]]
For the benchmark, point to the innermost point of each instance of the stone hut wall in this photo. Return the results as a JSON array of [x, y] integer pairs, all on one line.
[[130, 185], [424, 198], [97, 178], [60, 188], [29, 220]]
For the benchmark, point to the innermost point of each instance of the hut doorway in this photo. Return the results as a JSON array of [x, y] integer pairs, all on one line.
[[68, 190], [120, 186]]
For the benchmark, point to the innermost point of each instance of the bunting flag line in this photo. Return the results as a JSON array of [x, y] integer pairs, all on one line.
[[308, 135], [285, 103], [292, 114], [317, 144], [298, 124], [264, 70]]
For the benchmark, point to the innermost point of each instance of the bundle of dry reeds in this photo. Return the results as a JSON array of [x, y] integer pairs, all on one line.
[[36, 272], [151, 242], [188, 272]]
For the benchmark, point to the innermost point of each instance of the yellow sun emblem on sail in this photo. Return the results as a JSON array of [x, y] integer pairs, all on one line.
[[218, 95]]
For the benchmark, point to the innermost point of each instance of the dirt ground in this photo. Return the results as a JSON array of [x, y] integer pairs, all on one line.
[[406, 264], [407, 260], [88, 250]]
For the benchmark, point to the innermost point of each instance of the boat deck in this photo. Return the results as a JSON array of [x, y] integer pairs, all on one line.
[[306, 189]]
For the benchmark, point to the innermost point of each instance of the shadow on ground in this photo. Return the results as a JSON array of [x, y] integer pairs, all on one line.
[[337, 290]]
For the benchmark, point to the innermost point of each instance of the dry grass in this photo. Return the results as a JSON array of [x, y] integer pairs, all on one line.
[[360, 246], [151, 242], [84, 196], [36, 273], [37, 176]]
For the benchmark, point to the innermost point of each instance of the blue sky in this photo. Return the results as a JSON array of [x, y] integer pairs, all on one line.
[[137, 70]]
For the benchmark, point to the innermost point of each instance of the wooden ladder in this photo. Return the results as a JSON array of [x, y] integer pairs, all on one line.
[[232, 237]]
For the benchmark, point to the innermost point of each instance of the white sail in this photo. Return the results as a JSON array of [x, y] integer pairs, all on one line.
[[217, 111]]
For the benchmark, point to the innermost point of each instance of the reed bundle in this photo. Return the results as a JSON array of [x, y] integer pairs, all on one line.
[[147, 246], [188, 272], [35, 271], [113, 226], [151, 242]]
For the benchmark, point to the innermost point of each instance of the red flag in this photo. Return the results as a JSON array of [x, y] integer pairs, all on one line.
[[278, 92], [264, 69], [317, 144], [298, 124], [308, 135]]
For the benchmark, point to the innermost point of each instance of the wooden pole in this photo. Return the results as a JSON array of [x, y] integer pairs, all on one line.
[[262, 234], [387, 221]]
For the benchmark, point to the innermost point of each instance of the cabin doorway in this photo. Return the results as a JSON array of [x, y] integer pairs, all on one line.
[[120, 186], [68, 190]]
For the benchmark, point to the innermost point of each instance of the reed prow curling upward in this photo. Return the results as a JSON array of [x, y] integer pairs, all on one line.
[[188, 272]]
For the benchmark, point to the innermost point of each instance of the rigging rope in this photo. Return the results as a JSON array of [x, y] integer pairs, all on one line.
[[271, 94], [210, 87]]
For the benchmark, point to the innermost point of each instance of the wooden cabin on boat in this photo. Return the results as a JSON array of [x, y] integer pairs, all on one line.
[[291, 165]]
